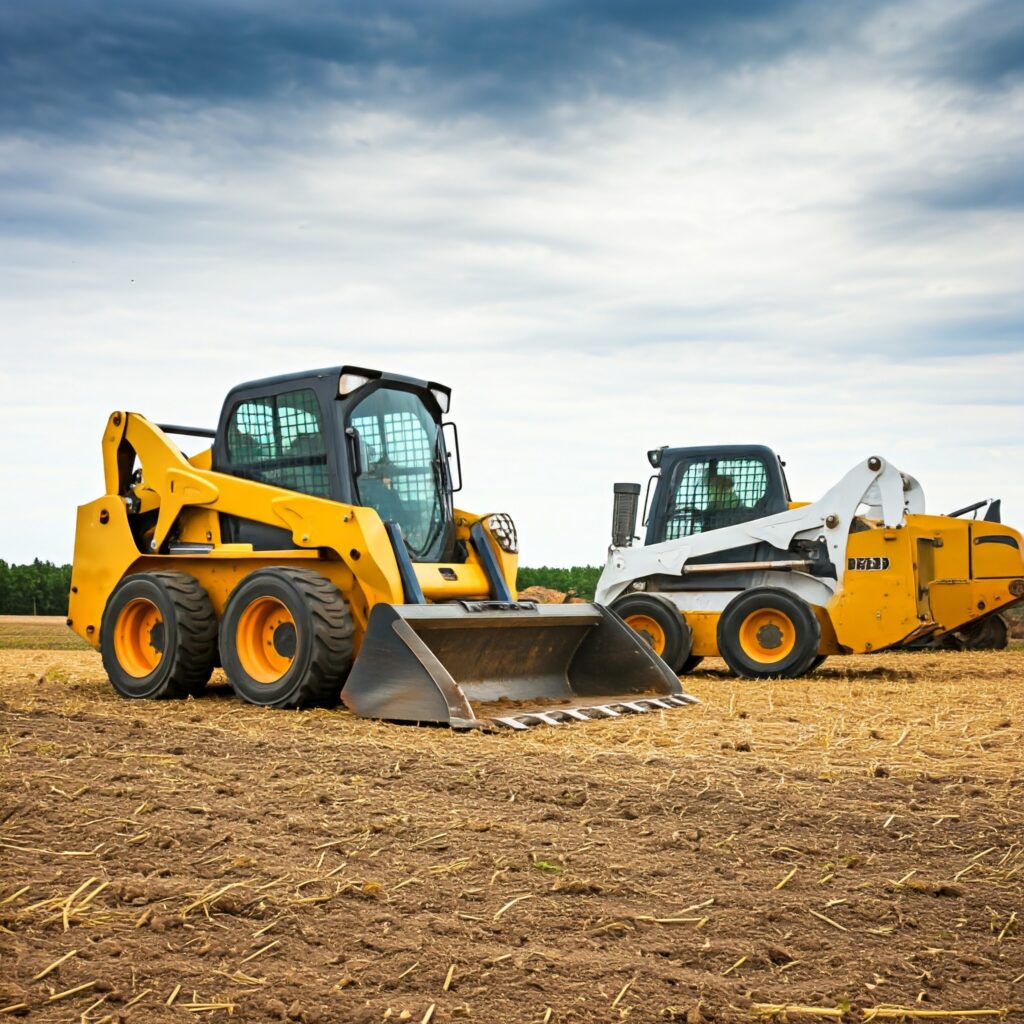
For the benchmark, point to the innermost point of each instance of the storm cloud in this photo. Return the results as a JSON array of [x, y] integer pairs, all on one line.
[[608, 225]]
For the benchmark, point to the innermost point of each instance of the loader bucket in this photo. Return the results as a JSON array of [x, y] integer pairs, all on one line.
[[478, 664]]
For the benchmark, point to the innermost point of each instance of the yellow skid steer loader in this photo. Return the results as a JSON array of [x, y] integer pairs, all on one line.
[[732, 566], [314, 549]]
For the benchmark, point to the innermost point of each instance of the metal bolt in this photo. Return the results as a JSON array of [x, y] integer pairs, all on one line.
[[874, 463], [831, 520], [1017, 588]]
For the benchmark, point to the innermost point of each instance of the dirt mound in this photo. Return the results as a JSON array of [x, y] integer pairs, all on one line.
[[545, 595]]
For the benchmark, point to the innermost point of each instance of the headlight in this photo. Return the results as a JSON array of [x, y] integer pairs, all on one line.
[[350, 382], [503, 530], [442, 396]]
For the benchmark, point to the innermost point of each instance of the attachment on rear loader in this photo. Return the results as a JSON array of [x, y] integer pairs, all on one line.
[[478, 663]]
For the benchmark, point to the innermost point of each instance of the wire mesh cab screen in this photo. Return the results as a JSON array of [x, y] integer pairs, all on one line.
[[279, 440], [710, 494], [399, 472]]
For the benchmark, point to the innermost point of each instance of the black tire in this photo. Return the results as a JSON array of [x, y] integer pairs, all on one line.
[[674, 638], [768, 633], [690, 664], [295, 647], [158, 637], [819, 660], [991, 633]]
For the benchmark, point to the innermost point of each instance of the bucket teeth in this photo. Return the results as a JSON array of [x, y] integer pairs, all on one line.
[[615, 709], [511, 723], [546, 718], [635, 705], [577, 714]]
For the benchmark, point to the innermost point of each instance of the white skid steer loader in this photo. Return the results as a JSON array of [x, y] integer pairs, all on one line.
[[732, 567]]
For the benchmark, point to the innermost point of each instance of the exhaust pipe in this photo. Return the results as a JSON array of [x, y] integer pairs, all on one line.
[[624, 509]]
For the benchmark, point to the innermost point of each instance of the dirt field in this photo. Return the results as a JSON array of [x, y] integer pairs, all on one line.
[[850, 842], [29, 632]]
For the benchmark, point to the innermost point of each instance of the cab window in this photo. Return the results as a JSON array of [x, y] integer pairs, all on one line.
[[710, 494], [279, 440], [399, 471]]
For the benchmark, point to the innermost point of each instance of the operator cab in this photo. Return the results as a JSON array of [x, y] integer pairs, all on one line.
[[351, 435], [699, 490], [711, 487]]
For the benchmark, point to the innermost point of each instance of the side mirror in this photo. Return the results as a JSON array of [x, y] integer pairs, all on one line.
[[626, 500], [449, 439]]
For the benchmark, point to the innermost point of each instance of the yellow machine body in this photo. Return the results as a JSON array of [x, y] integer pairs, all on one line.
[[943, 574], [345, 543], [327, 599]]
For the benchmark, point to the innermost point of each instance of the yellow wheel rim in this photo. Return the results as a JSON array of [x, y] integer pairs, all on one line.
[[139, 637], [649, 629], [767, 636], [266, 639]]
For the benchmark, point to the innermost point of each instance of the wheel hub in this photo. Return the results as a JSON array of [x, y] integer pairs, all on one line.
[[649, 630], [284, 640], [769, 636]]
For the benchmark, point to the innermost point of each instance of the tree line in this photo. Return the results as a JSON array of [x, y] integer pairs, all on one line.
[[40, 588]]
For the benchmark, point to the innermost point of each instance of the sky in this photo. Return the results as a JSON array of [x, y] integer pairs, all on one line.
[[607, 225]]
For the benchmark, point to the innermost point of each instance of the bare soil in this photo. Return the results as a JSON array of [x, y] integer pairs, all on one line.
[[849, 842]]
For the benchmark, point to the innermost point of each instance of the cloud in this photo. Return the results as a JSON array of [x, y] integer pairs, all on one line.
[[983, 46], [608, 226], [64, 66]]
